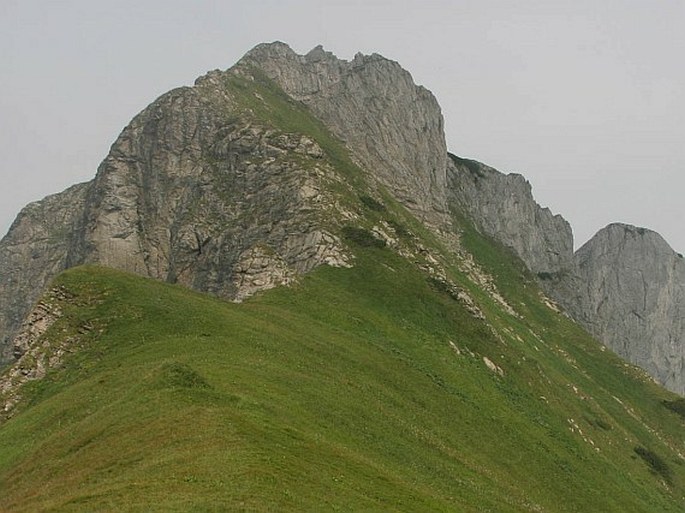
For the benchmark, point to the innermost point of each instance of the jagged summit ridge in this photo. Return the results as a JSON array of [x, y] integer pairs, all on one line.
[[394, 128], [198, 189]]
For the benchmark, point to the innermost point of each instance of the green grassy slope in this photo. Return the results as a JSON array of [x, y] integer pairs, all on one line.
[[340, 394]]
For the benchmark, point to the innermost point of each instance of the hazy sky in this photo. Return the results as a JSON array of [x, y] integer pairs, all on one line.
[[584, 98]]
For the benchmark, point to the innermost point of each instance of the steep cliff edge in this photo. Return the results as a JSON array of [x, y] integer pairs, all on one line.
[[502, 206], [35, 250], [628, 289], [394, 128]]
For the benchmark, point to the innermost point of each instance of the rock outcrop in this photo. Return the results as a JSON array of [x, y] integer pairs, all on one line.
[[394, 128], [187, 189], [34, 352], [34, 250], [502, 207], [628, 289]]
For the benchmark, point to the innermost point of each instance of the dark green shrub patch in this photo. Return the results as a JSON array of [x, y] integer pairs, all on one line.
[[362, 237]]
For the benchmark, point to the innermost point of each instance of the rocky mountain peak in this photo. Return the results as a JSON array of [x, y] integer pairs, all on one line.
[[393, 127], [621, 235], [628, 289]]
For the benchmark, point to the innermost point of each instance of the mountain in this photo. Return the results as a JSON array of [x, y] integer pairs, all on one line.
[[200, 183], [625, 285], [404, 340], [165, 201]]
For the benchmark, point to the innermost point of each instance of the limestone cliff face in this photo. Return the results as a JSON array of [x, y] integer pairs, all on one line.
[[502, 206], [394, 128], [628, 289], [32, 253], [191, 189]]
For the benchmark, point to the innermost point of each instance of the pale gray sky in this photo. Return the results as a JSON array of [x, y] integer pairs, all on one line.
[[586, 98]]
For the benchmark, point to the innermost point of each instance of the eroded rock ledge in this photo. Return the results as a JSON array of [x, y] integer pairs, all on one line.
[[36, 352]]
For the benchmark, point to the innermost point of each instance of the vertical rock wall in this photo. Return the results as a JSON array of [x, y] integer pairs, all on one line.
[[628, 289], [394, 128], [34, 251], [502, 206]]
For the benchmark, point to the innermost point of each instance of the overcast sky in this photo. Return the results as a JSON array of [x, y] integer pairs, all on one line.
[[584, 98]]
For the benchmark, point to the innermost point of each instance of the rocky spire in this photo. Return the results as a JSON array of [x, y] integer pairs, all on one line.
[[628, 289], [394, 128]]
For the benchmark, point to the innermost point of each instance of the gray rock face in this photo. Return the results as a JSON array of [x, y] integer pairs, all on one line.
[[33, 359], [626, 286], [502, 206], [394, 128], [32, 253], [193, 191], [187, 189], [628, 289]]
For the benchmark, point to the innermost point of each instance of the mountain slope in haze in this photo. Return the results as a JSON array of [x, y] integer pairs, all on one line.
[[394, 356]]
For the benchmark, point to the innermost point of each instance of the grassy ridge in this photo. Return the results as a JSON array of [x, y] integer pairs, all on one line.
[[343, 393]]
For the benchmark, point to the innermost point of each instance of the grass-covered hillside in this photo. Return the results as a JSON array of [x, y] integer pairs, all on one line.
[[361, 389]]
